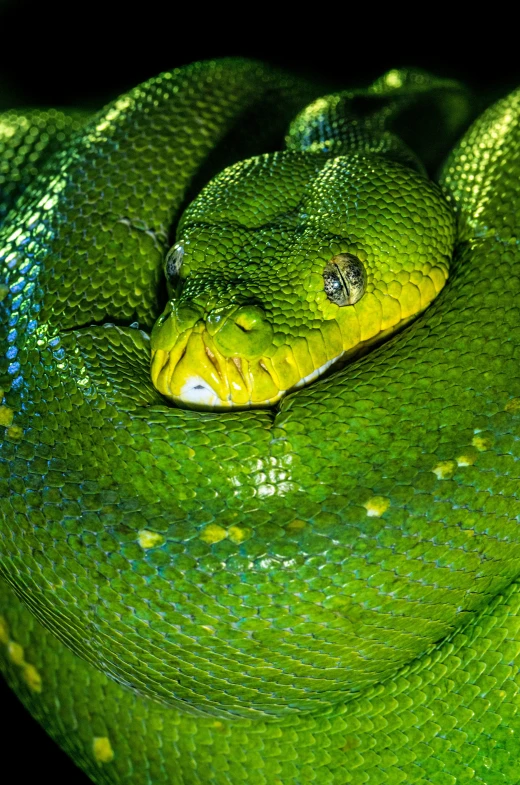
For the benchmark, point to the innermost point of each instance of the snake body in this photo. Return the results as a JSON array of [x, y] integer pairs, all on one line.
[[321, 590]]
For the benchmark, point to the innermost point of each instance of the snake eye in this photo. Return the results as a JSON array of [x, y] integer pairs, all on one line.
[[344, 279], [173, 262]]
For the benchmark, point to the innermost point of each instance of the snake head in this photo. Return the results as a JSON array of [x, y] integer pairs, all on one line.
[[289, 264]]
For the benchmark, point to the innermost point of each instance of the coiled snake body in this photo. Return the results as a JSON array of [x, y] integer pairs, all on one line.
[[318, 586]]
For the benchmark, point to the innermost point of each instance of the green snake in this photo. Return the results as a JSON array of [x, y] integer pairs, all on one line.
[[260, 431]]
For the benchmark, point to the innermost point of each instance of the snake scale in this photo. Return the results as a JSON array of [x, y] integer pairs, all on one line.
[[293, 556]]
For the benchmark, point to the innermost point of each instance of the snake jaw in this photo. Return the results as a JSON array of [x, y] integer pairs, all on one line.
[[311, 377], [191, 368], [194, 373]]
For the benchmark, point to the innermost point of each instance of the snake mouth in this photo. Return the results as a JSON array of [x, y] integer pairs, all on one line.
[[195, 374], [236, 362]]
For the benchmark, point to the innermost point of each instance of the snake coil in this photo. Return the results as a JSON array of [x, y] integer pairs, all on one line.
[[323, 590]]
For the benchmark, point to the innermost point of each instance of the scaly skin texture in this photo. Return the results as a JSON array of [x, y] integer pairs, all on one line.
[[324, 591], [27, 138]]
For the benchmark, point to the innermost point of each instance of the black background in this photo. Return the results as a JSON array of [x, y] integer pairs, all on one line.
[[87, 53]]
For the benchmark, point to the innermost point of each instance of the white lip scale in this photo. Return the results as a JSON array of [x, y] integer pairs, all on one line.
[[198, 391]]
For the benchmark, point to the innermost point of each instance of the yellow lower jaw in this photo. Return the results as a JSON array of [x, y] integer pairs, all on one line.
[[194, 373]]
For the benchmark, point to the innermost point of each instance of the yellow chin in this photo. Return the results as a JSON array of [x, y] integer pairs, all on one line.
[[195, 374]]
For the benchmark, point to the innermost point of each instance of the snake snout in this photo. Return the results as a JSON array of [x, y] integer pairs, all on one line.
[[244, 333], [213, 358]]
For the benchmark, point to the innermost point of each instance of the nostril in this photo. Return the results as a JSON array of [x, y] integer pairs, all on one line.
[[245, 328], [245, 332], [249, 318]]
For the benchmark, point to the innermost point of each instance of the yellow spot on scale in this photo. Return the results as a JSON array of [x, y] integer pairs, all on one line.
[[513, 406], [482, 443], [32, 677], [148, 539], [296, 525], [15, 652], [3, 291], [17, 656], [14, 432], [213, 533], [218, 725], [376, 506], [467, 459], [237, 533], [6, 415], [4, 631], [102, 749], [445, 470]]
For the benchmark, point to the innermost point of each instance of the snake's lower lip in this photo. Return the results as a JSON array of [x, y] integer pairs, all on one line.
[[318, 372], [197, 392], [190, 369]]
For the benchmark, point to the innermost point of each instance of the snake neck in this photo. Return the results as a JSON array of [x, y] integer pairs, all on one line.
[[408, 116]]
